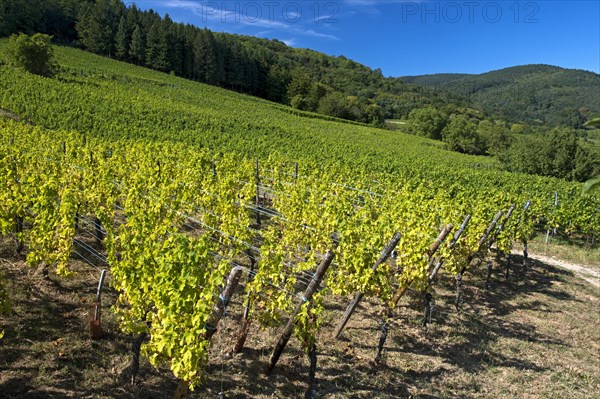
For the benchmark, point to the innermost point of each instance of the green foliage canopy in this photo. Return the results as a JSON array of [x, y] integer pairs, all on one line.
[[32, 53], [428, 122], [461, 135]]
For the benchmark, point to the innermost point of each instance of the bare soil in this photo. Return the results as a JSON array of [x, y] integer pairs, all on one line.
[[590, 275], [533, 336]]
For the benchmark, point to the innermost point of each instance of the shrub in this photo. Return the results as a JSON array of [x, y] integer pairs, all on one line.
[[32, 53]]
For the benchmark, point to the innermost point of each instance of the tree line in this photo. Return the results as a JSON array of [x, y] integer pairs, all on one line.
[[536, 94], [304, 79], [557, 152]]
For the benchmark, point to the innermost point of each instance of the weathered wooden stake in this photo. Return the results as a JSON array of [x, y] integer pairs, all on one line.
[[383, 333], [312, 372], [428, 298], [455, 239], [96, 308], [504, 221], [525, 254], [98, 231], [491, 242], [555, 205], [482, 240], [257, 194], [243, 333], [136, 347], [289, 328], [99, 292], [18, 231], [438, 241], [428, 309], [554, 231], [430, 252], [296, 171], [488, 279], [219, 309], [385, 254], [403, 288]]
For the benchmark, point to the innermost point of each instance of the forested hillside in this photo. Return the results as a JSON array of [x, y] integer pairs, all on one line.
[[305, 79], [474, 114], [436, 79], [537, 94]]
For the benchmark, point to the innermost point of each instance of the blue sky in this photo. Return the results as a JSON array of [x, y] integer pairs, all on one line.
[[413, 37]]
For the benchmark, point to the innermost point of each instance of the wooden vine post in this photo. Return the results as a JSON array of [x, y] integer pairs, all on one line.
[[257, 200], [243, 333], [308, 294], [525, 253], [219, 309], [312, 371], [510, 211], [480, 244], [385, 254], [490, 265], [402, 290], [554, 231], [489, 246], [98, 233], [18, 231], [96, 309], [77, 220], [427, 297]]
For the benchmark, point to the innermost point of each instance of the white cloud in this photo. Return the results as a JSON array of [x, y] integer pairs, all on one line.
[[258, 15]]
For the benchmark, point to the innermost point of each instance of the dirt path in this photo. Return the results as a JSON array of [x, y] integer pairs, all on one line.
[[589, 275]]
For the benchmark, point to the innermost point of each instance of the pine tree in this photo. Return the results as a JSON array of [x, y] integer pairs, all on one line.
[[122, 40], [157, 48], [137, 49], [188, 52], [210, 61], [97, 26], [199, 50]]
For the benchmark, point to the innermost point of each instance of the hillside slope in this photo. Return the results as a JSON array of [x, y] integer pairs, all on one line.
[[111, 98], [436, 79], [97, 96], [530, 93], [269, 69]]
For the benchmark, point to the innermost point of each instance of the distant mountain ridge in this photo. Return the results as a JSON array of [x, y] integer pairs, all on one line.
[[535, 93], [305, 79], [436, 79]]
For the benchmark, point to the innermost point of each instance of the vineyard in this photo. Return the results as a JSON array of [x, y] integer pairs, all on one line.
[[189, 203]]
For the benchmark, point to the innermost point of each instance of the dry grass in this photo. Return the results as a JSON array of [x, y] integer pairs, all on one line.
[[534, 337], [574, 251]]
